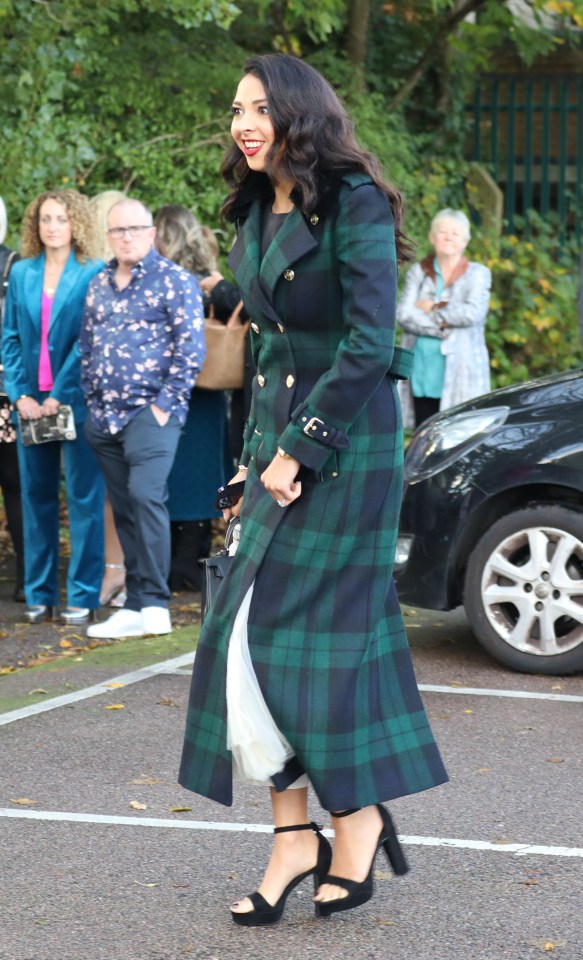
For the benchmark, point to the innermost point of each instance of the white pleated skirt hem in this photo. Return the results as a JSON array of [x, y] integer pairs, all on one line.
[[259, 749]]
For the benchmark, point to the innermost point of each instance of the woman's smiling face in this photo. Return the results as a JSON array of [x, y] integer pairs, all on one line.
[[251, 127]]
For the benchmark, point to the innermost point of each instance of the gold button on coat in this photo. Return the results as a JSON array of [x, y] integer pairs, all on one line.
[[260, 380], [289, 274], [281, 328], [255, 328], [314, 219], [290, 382]]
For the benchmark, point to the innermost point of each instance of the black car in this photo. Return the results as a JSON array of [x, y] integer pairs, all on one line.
[[493, 518]]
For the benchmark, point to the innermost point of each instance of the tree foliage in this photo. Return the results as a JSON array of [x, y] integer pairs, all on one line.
[[134, 95]]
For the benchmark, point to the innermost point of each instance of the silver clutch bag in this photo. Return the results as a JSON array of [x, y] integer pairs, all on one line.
[[59, 426]]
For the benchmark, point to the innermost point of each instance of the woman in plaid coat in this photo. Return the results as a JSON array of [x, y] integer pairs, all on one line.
[[309, 613]]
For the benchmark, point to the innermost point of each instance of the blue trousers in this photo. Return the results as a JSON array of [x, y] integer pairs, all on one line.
[[40, 480], [136, 463]]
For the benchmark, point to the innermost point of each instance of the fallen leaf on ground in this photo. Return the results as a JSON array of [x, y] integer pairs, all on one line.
[[146, 884], [135, 805], [180, 810], [484, 770], [65, 643], [468, 711], [167, 702], [116, 706], [5, 670], [114, 686], [146, 781], [38, 690], [555, 760], [546, 945], [24, 801]]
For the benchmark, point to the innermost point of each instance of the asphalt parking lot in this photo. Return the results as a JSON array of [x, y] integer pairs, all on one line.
[[105, 857]]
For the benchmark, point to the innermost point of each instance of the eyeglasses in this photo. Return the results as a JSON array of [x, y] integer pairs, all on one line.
[[118, 232]]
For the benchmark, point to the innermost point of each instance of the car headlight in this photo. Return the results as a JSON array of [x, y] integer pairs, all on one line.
[[442, 441]]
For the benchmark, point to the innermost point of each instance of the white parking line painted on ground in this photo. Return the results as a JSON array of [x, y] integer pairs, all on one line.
[[486, 692], [176, 665], [518, 849], [165, 666]]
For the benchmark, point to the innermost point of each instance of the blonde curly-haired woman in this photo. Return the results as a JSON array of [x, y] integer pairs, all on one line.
[[44, 307]]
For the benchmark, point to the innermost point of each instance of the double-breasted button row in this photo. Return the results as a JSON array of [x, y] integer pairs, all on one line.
[[288, 274], [256, 329]]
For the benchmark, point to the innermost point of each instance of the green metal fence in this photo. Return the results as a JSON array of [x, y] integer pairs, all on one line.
[[528, 131]]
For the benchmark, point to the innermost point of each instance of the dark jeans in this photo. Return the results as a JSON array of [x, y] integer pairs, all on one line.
[[136, 463]]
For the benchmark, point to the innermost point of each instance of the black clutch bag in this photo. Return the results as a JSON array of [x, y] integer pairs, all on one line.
[[59, 426], [216, 569]]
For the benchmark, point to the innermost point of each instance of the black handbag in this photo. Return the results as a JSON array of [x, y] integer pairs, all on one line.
[[216, 569]]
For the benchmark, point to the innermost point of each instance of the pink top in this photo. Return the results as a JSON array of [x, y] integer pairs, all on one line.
[[45, 374]]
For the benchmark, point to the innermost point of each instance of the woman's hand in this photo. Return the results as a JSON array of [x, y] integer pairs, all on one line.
[[425, 305], [207, 283], [29, 409], [50, 407], [162, 416], [280, 480], [235, 510]]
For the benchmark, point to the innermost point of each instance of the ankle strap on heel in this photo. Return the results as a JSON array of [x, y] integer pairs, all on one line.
[[298, 826], [344, 813]]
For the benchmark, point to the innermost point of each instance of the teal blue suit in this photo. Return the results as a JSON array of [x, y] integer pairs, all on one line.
[[40, 466]]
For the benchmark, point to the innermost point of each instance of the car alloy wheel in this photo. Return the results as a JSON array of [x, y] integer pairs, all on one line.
[[524, 590]]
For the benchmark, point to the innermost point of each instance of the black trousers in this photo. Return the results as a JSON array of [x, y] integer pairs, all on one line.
[[424, 408], [10, 483], [136, 463]]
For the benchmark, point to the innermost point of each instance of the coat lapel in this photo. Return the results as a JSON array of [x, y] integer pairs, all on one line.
[[257, 278], [293, 240], [33, 288], [65, 285]]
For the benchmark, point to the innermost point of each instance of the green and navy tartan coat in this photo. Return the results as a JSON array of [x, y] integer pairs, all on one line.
[[325, 631]]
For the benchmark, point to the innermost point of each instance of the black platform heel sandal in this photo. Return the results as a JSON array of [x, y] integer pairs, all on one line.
[[359, 893], [264, 913]]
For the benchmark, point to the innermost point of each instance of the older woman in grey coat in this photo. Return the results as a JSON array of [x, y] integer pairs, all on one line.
[[443, 311]]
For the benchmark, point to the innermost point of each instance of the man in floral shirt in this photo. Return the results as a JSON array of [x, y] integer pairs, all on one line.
[[142, 346]]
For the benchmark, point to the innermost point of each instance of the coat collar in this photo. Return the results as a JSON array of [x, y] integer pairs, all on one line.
[[429, 269]]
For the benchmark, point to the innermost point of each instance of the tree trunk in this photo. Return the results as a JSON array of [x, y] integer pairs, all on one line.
[[357, 39]]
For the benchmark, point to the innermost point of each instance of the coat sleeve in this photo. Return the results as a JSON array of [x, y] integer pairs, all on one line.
[[473, 306], [410, 317], [367, 270], [15, 377]]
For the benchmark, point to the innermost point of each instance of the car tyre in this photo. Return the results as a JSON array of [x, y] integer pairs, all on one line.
[[523, 589]]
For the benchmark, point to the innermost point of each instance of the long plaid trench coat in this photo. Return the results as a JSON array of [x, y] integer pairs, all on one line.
[[325, 631]]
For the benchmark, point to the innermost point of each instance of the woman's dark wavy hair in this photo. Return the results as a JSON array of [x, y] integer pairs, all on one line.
[[309, 118]]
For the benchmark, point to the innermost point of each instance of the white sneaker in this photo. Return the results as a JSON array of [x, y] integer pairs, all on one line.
[[156, 620], [122, 623]]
